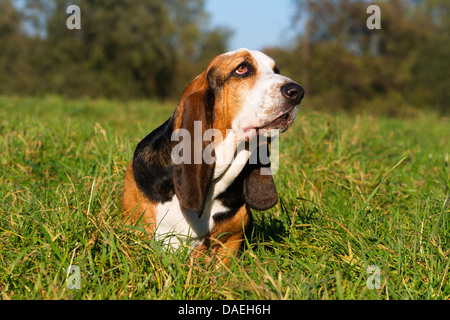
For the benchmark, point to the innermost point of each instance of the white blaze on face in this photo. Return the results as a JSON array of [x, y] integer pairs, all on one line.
[[264, 100]]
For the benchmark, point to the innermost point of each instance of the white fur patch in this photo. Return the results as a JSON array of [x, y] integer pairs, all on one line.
[[264, 99], [176, 225]]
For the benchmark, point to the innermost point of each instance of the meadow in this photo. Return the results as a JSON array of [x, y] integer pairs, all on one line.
[[354, 191]]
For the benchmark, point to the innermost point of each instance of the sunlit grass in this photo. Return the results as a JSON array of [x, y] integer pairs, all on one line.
[[354, 191]]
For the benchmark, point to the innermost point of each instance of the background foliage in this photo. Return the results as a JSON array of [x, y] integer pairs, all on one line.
[[151, 49], [125, 49]]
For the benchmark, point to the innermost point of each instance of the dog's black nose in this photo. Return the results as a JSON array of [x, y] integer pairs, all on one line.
[[293, 92]]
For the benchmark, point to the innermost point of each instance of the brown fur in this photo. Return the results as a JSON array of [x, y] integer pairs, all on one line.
[[191, 180], [228, 101], [136, 208], [197, 85], [226, 238]]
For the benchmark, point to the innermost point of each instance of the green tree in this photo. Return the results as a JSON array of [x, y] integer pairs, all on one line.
[[432, 69], [125, 48], [16, 49], [344, 63]]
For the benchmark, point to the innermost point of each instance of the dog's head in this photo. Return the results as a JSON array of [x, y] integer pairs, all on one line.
[[243, 91], [250, 93]]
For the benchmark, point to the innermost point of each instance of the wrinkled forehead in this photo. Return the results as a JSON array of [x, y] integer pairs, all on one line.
[[231, 59]]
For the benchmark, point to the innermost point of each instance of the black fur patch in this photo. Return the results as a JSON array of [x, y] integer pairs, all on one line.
[[153, 166], [251, 188], [233, 196]]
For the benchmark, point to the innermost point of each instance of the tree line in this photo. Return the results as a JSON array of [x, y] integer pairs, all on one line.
[[128, 49], [125, 48], [405, 64]]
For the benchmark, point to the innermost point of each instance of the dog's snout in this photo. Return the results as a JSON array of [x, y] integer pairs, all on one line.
[[293, 92]]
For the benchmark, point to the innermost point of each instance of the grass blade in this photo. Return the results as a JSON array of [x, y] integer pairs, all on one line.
[[441, 216], [374, 192]]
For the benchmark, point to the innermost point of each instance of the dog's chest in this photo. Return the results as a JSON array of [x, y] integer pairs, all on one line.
[[176, 224]]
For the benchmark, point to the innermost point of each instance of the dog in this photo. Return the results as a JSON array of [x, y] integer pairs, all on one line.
[[206, 203]]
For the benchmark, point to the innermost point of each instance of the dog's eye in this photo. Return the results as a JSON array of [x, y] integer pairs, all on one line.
[[241, 69]]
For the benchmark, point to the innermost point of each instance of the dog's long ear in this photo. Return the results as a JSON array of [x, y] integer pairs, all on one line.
[[259, 189], [193, 175]]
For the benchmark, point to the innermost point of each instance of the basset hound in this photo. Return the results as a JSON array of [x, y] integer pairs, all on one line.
[[202, 203]]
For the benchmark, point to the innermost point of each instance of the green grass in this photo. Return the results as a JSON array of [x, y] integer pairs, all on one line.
[[354, 191]]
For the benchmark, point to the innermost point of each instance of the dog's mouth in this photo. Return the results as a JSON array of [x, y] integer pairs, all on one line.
[[281, 122]]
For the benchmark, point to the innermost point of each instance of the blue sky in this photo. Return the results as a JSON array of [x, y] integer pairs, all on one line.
[[256, 23]]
